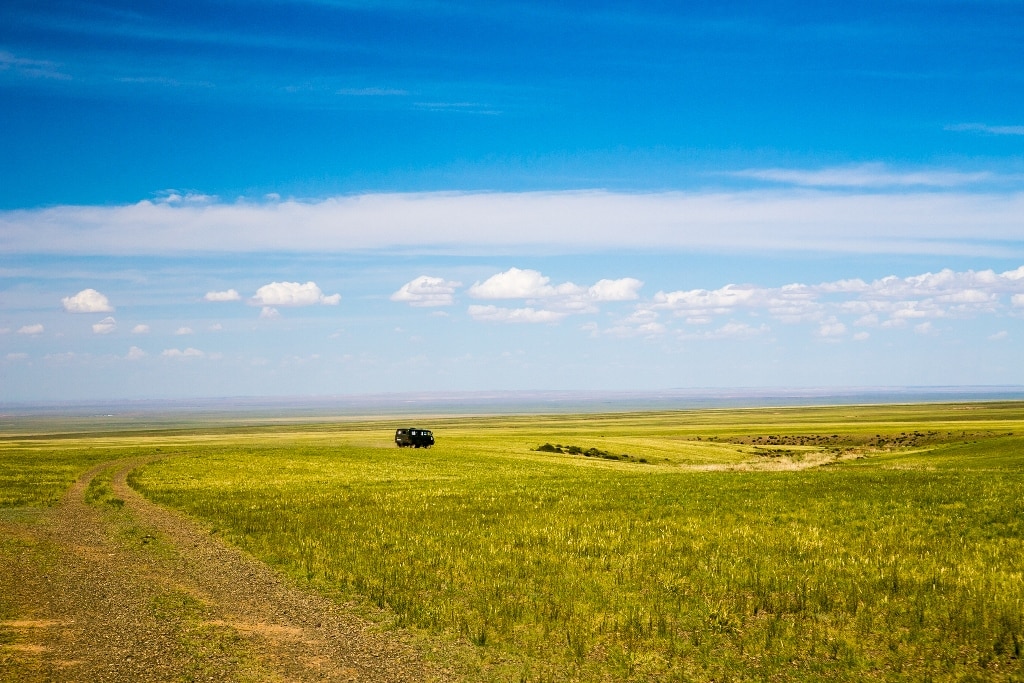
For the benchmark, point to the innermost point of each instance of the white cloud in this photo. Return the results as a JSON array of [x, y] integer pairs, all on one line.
[[371, 92], [228, 295], [889, 302], [176, 197], [514, 315], [135, 353], [790, 303], [731, 330], [87, 301], [292, 294], [564, 299], [182, 353], [984, 128], [31, 68], [31, 330], [831, 329], [924, 328], [140, 329], [864, 176], [181, 331], [215, 327], [861, 336], [18, 356], [942, 294], [999, 336], [933, 220], [269, 313], [513, 284], [427, 291], [624, 289], [105, 326]]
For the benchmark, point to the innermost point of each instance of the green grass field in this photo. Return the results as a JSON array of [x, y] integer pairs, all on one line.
[[842, 544]]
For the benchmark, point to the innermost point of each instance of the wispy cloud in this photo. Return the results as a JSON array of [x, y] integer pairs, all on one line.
[[987, 129], [458, 108], [189, 352], [730, 330], [31, 330], [105, 326], [948, 222], [31, 68], [874, 176], [372, 92], [514, 315]]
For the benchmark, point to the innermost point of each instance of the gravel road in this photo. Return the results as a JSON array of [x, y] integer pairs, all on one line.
[[143, 594]]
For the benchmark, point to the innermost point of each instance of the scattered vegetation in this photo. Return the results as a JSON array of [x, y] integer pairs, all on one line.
[[100, 492], [903, 564], [587, 452]]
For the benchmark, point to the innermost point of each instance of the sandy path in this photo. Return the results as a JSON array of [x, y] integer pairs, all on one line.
[[145, 595]]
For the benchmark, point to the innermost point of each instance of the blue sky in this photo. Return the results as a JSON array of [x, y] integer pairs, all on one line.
[[332, 197]]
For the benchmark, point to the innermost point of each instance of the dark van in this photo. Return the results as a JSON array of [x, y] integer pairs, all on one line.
[[417, 438]]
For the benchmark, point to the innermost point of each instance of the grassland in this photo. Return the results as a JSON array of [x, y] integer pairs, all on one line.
[[836, 544]]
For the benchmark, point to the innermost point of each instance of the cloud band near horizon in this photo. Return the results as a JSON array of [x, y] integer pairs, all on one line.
[[790, 219]]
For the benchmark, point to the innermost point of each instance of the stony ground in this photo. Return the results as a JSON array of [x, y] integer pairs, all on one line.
[[138, 593]]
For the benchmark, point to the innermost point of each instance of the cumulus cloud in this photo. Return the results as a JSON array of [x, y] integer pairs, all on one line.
[[566, 298], [513, 284], [890, 302], [31, 330], [227, 295], [140, 329], [105, 326], [624, 289], [514, 315], [87, 301], [943, 294], [135, 353], [182, 353], [427, 291], [292, 294]]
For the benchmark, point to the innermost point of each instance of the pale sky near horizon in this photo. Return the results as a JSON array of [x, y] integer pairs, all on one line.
[[320, 197]]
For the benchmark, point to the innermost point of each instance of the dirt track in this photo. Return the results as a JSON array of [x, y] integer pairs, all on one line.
[[142, 594]]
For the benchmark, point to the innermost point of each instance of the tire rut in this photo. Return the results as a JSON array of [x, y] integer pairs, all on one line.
[[144, 594]]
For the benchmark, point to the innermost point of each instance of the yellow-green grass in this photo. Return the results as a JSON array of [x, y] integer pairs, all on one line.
[[839, 544]]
